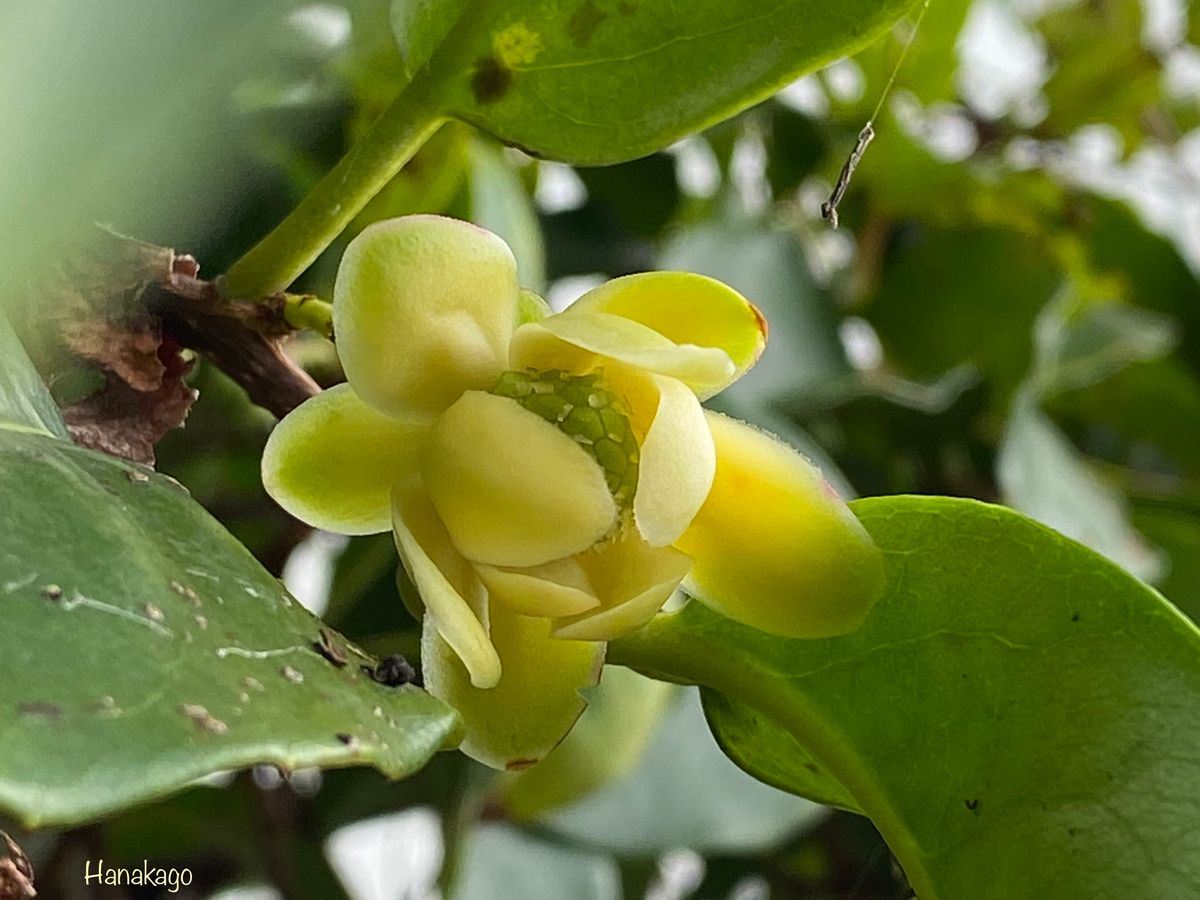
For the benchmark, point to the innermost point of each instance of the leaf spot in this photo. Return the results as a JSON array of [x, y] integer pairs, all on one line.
[[292, 675], [104, 706], [40, 710], [517, 45], [184, 591], [200, 573], [972, 804], [584, 22], [491, 80], [152, 612], [203, 719]]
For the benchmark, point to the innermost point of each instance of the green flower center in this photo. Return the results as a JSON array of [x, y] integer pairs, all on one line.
[[582, 407]]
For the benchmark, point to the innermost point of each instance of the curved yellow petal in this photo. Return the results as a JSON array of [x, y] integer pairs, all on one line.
[[559, 588], [332, 461], [423, 309], [704, 369], [512, 489], [688, 309], [535, 703], [455, 601], [774, 546], [678, 462], [632, 579]]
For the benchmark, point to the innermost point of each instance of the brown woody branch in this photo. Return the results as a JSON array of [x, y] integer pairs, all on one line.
[[239, 337]]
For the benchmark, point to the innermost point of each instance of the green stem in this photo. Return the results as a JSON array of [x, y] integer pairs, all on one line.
[[308, 312], [278, 259], [660, 651]]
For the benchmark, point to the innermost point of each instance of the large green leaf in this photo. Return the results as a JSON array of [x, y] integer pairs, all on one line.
[[143, 647], [1018, 716], [602, 81]]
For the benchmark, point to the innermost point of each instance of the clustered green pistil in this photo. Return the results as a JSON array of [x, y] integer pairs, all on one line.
[[582, 407]]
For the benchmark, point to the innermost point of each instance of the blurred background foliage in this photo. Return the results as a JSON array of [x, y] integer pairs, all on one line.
[[1010, 312]]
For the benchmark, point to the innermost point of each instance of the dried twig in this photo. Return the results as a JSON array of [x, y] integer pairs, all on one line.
[[122, 310], [829, 207]]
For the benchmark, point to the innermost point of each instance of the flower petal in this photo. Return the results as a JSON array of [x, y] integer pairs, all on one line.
[[687, 309], [678, 461], [705, 369], [454, 597], [332, 461], [423, 309], [535, 703], [559, 588], [632, 579], [774, 546], [512, 489]]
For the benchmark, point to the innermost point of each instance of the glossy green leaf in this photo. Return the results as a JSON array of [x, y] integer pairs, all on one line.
[[1018, 716], [767, 751], [143, 647], [602, 81], [25, 404]]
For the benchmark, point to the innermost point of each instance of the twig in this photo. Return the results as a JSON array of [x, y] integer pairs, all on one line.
[[829, 207]]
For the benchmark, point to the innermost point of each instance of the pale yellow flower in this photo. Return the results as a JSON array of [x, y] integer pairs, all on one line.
[[552, 479]]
